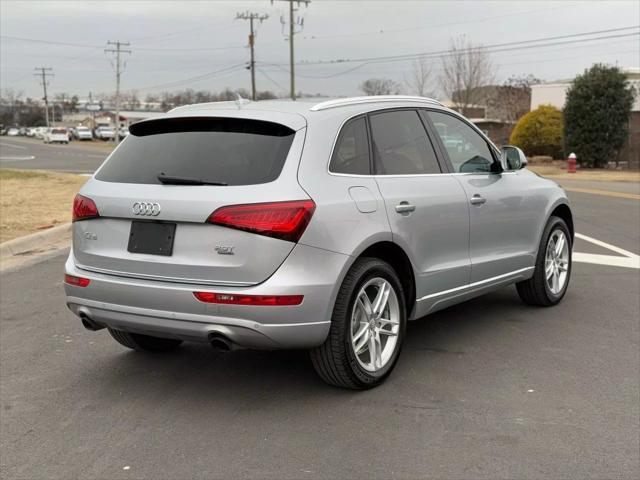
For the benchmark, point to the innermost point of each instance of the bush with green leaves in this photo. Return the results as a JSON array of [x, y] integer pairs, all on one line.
[[539, 132], [596, 115]]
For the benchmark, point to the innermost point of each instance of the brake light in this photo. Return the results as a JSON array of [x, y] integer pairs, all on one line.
[[283, 220], [254, 300], [84, 208], [76, 281]]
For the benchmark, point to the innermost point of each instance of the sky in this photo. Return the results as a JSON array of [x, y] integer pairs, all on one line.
[[201, 45]]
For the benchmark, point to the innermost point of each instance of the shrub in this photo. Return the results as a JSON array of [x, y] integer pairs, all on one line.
[[596, 114], [539, 132]]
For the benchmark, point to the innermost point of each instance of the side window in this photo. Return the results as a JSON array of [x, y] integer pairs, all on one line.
[[401, 145], [351, 153], [467, 150]]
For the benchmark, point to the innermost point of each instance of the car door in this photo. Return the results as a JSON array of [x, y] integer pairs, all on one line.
[[504, 215], [427, 208]]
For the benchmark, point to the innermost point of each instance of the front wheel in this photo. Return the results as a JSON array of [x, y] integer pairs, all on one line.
[[553, 267], [367, 328]]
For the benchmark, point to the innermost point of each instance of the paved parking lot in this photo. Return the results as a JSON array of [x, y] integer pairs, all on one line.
[[488, 389], [29, 153]]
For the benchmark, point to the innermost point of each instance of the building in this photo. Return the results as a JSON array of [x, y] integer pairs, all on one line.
[[555, 94]]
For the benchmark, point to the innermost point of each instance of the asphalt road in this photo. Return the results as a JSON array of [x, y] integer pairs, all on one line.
[[487, 389], [27, 153]]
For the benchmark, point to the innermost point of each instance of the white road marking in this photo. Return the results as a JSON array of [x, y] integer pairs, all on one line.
[[17, 159], [19, 147], [627, 260]]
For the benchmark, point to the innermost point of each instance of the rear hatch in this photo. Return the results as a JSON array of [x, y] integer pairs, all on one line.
[[153, 215]]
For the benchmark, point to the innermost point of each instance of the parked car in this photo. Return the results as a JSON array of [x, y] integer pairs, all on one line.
[[82, 133], [320, 226], [13, 132], [105, 133], [56, 135], [40, 132], [31, 132], [124, 132]]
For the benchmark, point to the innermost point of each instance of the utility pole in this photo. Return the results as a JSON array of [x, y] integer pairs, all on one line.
[[293, 22], [252, 64], [118, 50], [44, 73]]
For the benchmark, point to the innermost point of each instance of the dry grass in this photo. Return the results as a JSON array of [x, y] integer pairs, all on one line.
[[34, 200], [558, 172]]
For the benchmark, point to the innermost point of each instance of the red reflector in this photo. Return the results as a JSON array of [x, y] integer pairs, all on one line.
[[83, 208], [283, 220], [256, 300], [76, 281]]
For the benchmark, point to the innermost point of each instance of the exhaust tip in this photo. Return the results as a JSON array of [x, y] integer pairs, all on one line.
[[220, 343], [90, 324]]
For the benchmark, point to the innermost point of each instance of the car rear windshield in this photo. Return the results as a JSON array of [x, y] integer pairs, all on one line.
[[59, 130], [232, 151]]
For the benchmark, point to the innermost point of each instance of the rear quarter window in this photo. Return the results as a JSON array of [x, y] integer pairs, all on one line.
[[230, 150]]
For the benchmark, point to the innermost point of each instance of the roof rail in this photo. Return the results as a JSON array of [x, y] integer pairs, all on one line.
[[344, 102]]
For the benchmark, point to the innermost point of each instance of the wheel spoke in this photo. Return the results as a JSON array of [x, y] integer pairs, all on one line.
[[549, 269], [364, 326], [380, 302], [563, 265], [382, 331], [365, 304], [358, 348], [373, 355], [559, 245], [556, 282], [386, 321]]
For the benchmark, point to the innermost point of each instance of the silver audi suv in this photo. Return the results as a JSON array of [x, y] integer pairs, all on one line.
[[323, 226]]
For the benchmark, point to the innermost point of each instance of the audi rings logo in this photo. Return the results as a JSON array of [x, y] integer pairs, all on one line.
[[146, 208]]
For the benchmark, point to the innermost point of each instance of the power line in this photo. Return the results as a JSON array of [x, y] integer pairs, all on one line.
[[252, 37], [197, 78], [293, 22], [45, 72], [412, 56], [118, 50]]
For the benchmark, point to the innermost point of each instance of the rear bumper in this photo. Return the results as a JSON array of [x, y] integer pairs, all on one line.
[[170, 309]]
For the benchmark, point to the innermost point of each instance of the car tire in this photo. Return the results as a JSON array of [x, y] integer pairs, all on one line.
[[336, 360], [540, 289], [144, 343]]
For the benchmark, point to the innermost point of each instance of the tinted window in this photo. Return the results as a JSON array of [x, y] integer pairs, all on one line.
[[467, 150], [401, 145], [351, 154], [231, 150]]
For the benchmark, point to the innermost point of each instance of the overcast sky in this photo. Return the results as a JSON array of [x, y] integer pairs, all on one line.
[[174, 43]]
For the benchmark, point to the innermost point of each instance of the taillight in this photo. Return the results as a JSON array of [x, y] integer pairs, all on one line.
[[76, 281], [283, 220], [254, 300], [84, 208]]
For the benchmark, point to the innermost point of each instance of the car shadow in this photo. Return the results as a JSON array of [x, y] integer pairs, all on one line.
[[243, 378]]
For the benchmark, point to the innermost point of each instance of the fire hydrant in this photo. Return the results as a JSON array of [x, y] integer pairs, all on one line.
[[571, 163]]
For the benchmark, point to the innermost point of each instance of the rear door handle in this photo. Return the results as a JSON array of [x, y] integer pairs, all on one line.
[[405, 207], [477, 200]]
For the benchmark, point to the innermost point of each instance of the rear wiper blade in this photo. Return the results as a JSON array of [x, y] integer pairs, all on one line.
[[170, 180]]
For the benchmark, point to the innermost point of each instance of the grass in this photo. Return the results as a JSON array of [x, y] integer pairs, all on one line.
[[33, 200], [558, 172]]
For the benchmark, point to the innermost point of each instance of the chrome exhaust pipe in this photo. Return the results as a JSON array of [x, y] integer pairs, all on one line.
[[90, 324], [220, 343]]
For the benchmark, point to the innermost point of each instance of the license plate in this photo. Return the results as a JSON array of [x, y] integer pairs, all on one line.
[[153, 238]]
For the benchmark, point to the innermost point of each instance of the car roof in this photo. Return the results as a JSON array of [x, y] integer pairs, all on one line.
[[297, 114]]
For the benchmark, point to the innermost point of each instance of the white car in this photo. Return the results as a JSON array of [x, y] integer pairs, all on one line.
[[56, 135], [124, 131], [31, 131], [83, 133], [40, 132], [105, 133], [13, 132]]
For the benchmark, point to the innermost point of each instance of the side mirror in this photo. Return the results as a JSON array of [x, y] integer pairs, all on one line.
[[513, 158]]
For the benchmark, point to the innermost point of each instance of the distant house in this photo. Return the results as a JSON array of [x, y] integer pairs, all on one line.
[[498, 130], [555, 94]]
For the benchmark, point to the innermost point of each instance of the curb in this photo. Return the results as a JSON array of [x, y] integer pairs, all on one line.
[[35, 241]]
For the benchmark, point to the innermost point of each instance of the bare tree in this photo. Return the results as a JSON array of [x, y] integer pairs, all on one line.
[[465, 69], [380, 86], [419, 80]]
